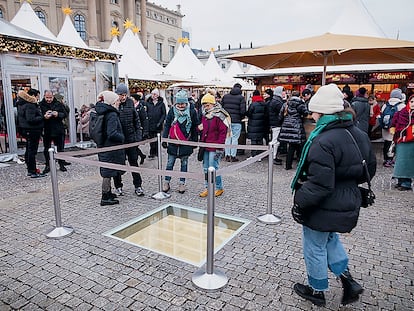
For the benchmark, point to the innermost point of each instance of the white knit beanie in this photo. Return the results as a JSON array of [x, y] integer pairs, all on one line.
[[327, 100], [108, 97]]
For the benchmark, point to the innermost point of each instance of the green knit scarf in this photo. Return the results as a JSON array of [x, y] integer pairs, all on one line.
[[320, 126]]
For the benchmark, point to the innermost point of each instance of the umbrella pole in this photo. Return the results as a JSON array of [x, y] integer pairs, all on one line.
[[325, 62]]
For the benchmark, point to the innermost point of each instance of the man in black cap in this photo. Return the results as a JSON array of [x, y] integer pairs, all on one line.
[[131, 127]]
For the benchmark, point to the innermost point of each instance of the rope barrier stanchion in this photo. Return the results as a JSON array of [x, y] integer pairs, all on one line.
[[269, 218], [160, 195], [208, 278], [60, 231]]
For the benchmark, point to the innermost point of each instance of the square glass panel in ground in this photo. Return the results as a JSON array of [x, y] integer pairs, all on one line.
[[179, 232]]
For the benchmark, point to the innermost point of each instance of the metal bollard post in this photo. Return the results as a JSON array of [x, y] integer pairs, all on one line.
[[160, 195], [269, 218], [208, 278], [60, 231]]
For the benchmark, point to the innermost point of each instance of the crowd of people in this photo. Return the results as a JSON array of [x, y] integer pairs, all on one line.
[[327, 132]]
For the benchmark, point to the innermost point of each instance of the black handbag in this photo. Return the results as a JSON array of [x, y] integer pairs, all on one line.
[[367, 195], [200, 154]]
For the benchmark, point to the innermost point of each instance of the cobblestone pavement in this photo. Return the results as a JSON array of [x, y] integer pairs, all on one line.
[[90, 271]]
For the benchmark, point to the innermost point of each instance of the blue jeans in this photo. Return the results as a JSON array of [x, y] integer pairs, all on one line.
[[170, 166], [323, 250], [212, 158], [233, 139]]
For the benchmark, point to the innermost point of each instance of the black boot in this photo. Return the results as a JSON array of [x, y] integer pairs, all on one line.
[[352, 289], [307, 292], [107, 199], [46, 169]]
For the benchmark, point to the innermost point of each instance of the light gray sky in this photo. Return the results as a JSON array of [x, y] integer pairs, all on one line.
[[264, 22]]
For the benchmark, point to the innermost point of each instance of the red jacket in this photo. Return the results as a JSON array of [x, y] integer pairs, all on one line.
[[214, 131]]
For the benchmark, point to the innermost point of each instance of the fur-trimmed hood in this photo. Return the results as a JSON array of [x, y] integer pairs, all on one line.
[[30, 99]]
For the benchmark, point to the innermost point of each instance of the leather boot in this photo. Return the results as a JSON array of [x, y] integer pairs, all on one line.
[[352, 289], [307, 292], [107, 199]]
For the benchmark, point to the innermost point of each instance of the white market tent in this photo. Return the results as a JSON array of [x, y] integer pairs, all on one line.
[[213, 69], [115, 46], [186, 65], [27, 19], [69, 35]]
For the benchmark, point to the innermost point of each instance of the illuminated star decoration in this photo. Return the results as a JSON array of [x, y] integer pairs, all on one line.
[[28, 1], [135, 29], [67, 11], [128, 24], [185, 40], [212, 50], [115, 32], [180, 40]]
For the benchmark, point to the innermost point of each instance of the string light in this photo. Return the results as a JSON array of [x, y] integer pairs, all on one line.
[[20, 45]]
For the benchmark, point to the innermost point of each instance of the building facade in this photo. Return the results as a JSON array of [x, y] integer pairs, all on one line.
[[93, 19]]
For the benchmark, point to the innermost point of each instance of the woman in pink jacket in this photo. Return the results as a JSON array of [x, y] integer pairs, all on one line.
[[215, 124]]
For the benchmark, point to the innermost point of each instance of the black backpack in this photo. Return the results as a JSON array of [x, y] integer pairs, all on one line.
[[97, 128]]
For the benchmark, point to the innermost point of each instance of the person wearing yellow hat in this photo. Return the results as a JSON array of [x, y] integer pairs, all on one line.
[[214, 128]]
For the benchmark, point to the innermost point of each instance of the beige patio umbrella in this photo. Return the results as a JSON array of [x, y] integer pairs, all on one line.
[[329, 50]]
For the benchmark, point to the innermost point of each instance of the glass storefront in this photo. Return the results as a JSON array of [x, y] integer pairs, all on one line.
[[77, 80]]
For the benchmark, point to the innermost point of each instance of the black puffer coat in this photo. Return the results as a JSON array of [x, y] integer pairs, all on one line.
[[54, 126], [257, 126], [114, 137], [330, 198], [235, 104], [274, 105], [292, 130], [181, 150], [29, 115], [156, 114], [362, 111], [131, 124]]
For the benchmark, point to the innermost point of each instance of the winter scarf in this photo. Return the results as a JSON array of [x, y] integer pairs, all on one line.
[[322, 123], [219, 112], [182, 116]]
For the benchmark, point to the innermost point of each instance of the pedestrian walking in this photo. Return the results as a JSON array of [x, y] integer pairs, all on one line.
[[107, 105], [156, 116], [327, 199]]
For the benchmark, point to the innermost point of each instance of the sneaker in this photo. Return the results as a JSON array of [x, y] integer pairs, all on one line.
[[181, 188], [307, 292], [139, 191], [66, 163], [151, 156], [218, 192], [118, 192], [63, 169], [204, 194], [37, 175], [227, 159], [234, 159], [46, 170], [277, 161], [165, 186]]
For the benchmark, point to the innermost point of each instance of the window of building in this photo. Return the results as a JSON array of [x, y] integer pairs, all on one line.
[[80, 25], [172, 51], [113, 1], [223, 66], [1, 13], [41, 16], [159, 51]]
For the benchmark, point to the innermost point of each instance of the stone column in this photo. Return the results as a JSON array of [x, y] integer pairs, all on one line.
[[52, 22], [92, 24], [130, 10], [106, 21], [144, 23]]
